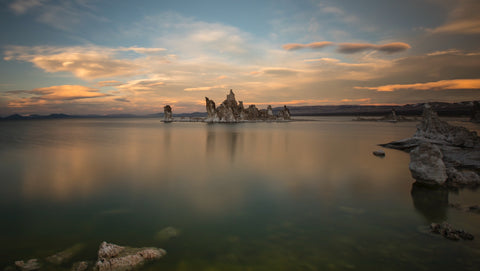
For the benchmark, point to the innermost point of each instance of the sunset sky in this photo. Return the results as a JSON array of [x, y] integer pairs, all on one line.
[[110, 57]]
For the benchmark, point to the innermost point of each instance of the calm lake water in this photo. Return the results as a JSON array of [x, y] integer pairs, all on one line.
[[306, 195]]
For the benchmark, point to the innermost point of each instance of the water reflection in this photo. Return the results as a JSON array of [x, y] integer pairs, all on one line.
[[430, 202]]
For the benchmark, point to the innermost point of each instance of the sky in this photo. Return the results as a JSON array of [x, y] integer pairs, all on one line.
[[119, 57]]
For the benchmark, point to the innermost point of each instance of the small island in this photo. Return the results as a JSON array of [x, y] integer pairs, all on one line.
[[231, 111]]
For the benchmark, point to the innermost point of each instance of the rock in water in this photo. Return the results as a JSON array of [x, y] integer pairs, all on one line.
[[447, 231], [426, 164], [30, 265], [167, 233], [433, 128], [379, 153], [112, 257], [65, 255], [167, 111], [80, 266]]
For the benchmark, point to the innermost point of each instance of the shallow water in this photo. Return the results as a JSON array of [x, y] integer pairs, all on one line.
[[305, 195]]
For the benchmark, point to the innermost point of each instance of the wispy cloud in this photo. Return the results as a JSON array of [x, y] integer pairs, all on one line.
[[22, 6], [437, 85], [390, 48], [462, 19], [205, 88], [312, 45]]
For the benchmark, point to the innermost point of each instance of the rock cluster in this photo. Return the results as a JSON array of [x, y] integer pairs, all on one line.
[[167, 113], [449, 232], [29, 265], [232, 111], [442, 154], [114, 257]]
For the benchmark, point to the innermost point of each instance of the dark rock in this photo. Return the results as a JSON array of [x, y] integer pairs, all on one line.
[[447, 231], [475, 112], [380, 153]]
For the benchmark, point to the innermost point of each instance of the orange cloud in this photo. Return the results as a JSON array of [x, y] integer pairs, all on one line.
[[438, 85], [390, 48], [203, 88], [313, 45]]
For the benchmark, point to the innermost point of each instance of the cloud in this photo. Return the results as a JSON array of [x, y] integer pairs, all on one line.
[[124, 100], [437, 85], [204, 88], [53, 94], [149, 84], [87, 62], [109, 83], [463, 19], [323, 59], [313, 45], [389, 48], [22, 6]]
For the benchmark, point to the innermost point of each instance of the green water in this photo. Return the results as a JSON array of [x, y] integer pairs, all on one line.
[[305, 195]]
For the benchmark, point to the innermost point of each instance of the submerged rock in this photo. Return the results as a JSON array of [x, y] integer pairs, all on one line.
[[167, 113], [426, 164], [449, 232], [114, 257], [65, 255], [30, 265], [167, 233], [80, 266]]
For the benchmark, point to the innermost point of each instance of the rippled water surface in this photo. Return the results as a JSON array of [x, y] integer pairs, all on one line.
[[305, 195]]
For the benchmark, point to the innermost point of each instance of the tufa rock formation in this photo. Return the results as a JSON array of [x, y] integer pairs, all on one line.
[[449, 232], [167, 110], [435, 143], [232, 111]]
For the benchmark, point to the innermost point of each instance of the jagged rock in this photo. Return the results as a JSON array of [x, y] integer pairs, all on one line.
[[284, 113], [433, 128], [447, 231], [112, 257], [30, 265], [380, 153], [167, 110], [426, 164], [270, 112], [167, 233], [463, 177], [475, 112], [80, 266], [65, 255]]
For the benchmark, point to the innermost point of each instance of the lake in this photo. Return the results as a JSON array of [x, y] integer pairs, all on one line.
[[301, 195]]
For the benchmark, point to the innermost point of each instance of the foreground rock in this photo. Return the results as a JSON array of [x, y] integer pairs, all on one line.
[[30, 265], [436, 142], [232, 111], [114, 257], [449, 232]]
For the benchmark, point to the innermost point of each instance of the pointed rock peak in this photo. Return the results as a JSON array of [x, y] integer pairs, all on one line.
[[231, 96]]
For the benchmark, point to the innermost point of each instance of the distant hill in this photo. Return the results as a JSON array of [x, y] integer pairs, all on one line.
[[443, 109]]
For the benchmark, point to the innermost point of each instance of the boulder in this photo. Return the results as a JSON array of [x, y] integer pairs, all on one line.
[[113, 257], [426, 164], [379, 153]]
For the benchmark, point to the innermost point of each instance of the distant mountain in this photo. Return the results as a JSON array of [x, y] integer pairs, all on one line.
[[443, 109]]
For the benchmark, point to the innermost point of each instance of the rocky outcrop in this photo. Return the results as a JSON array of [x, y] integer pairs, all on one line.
[[112, 257], [232, 111], [426, 164], [449, 232], [435, 129], [167, 113], [441, 153], [475, 112]]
